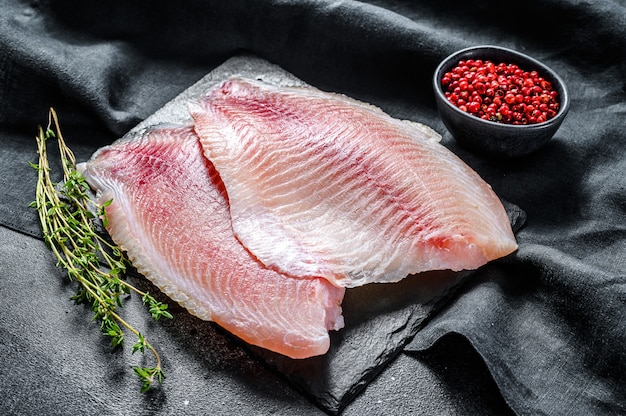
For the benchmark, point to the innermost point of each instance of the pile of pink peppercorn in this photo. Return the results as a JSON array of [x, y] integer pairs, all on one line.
[[502, 93]]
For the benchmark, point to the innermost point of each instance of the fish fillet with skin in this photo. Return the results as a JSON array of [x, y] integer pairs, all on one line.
[[320, 184], [169, 211]]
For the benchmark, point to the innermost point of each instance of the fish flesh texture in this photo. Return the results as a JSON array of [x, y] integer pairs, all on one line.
[[170, 213], [320, 184]]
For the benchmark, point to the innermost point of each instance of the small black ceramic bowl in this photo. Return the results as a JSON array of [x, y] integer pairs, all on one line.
[[489, 137]]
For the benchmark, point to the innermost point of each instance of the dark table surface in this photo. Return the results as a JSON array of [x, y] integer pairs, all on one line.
[[541, 332]]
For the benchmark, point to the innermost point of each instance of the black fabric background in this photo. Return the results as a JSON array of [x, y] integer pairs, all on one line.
[[549, 322]]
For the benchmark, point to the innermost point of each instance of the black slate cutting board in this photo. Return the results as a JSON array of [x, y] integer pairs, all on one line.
[[379, 318]]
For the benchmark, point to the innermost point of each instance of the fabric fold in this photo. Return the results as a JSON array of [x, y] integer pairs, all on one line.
[[550, 329]]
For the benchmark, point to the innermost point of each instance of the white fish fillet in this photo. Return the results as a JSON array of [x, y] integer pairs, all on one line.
[[170, 213], [323, 185]]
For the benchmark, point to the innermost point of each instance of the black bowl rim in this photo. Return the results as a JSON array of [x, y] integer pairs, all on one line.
[[536, 64]]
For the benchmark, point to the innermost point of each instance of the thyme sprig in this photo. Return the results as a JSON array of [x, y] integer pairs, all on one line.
[[68, 217]]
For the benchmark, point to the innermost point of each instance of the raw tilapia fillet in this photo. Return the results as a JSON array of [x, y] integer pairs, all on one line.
[[170, 213], [323, 185]]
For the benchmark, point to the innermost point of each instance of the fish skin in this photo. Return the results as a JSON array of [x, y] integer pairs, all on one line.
[[320, 184], [169, 212]]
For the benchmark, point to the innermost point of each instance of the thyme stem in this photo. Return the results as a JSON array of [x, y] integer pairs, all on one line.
[[68, 229]]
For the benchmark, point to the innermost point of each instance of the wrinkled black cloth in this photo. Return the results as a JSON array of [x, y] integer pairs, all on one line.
[[550, 329], [550, 321]]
